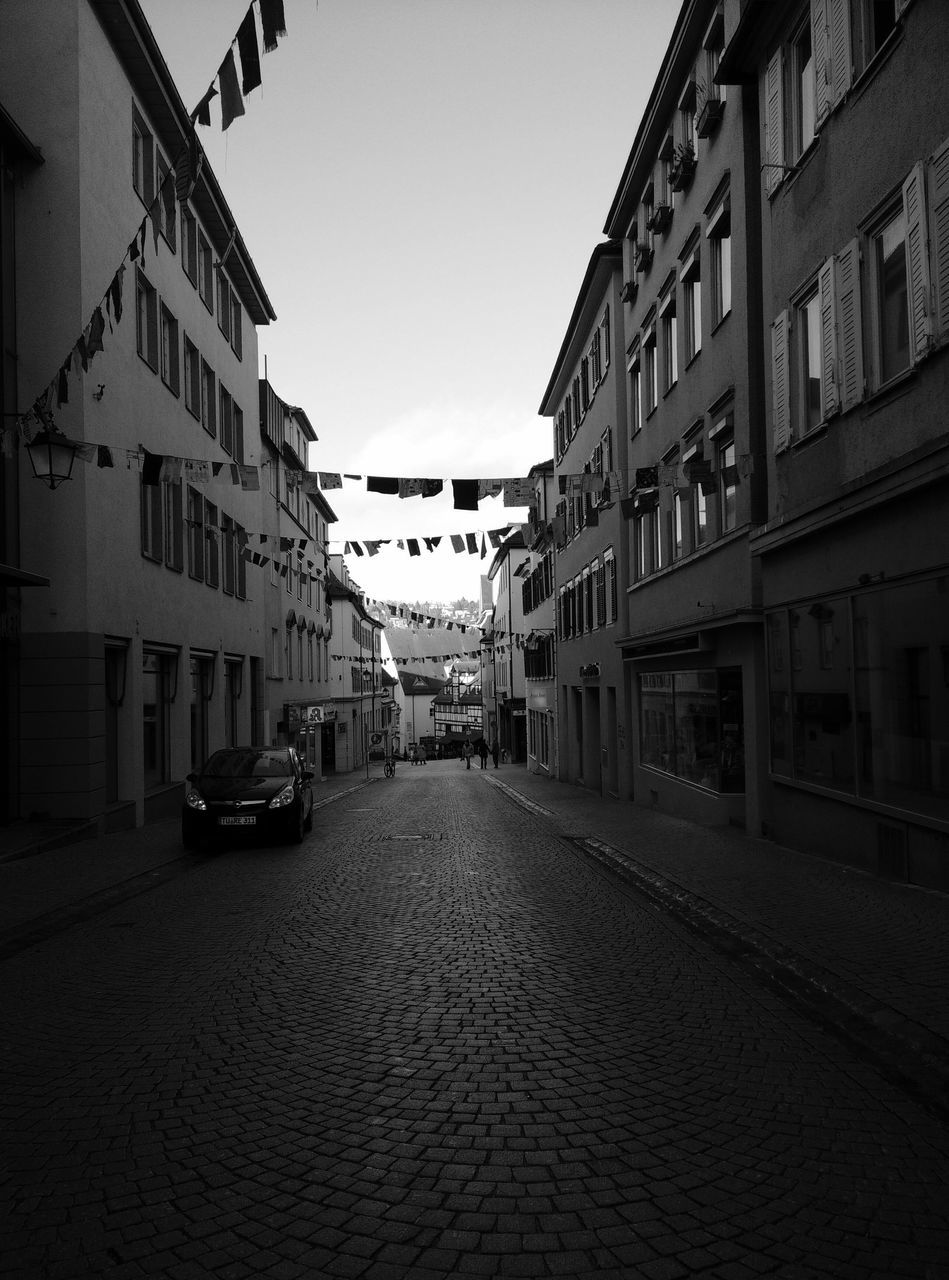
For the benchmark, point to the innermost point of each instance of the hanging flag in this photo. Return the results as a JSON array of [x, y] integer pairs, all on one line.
[[647, 477], [151, 468], [410, 488], [272, 20], [472, 543], [330, 480], [381, 484], [247, 47], [104, 458], [466, 494], [414, 549], [250, 477], [457, 542], [115, 293], [202, 112], [430, 488], [518, 492], [96, 330], [232, 104]]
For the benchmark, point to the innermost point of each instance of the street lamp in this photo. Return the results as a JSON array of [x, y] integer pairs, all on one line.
[[52, 456]]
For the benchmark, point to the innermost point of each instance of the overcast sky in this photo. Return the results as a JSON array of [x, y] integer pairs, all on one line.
[[420, 184]]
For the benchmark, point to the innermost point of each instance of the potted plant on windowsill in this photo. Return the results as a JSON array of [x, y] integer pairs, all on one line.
[[683, 166], [661, 217], [643, 256], [710, 109]]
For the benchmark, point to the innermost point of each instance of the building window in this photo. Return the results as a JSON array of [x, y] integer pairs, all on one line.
[[802, 91], [635, 395], [692, 726], [807, 324], [720, 265], [223, 304], [189, 244], [170, 366], [288, 654], [167, 202], [146, 320], [226, 420], [650, 388], [678, 525], [192, 378], [880, 18], [233, 686], [890, 291], [195, 535], [143, 159], [152, 516], [211, 555], [612, 602], [701, 533], [205, 272], [670, 341], [202, 682], [237, 326], [174, 526], [208, 406], [157, 684], [228, 549], [727, 485], [237, 417], [692, 305]]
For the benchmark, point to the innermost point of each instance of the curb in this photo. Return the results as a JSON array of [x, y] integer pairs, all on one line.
[[911, 1056]]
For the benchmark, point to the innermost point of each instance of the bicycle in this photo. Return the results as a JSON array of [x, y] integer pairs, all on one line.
[[389, 767]]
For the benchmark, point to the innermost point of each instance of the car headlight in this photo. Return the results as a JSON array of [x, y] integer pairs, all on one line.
[[194, 801], [283, 797]]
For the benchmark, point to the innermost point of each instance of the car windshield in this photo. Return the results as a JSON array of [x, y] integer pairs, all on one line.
[[248, 764]]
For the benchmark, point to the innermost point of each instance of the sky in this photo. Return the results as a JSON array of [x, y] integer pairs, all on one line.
[[420, 184]]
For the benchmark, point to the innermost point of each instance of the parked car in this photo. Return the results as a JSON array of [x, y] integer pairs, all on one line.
[[258, 791]]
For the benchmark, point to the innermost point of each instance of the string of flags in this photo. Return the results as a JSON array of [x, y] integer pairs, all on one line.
[[226, 84]]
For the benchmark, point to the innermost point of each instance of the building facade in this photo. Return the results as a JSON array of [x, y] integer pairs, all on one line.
[[586, 398], [146, 645], [538, 591], [355, 670], [503, 684], [297, 699], [854, 550], [687, 211]]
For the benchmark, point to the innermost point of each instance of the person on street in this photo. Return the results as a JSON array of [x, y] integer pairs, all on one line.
[[422, 754], [483, 752], [467, 751], [495, 752]]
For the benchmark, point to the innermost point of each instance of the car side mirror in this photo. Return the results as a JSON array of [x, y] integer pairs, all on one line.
[[307, 775]]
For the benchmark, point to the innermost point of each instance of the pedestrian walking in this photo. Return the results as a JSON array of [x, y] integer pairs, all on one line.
[[467, 751], [422, 754], [495, 752], [483, 752]]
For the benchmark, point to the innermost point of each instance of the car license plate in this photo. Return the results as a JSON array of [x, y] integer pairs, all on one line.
[[237, 822]]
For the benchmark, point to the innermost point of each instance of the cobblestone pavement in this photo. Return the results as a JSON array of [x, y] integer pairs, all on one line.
[[436, 1040]]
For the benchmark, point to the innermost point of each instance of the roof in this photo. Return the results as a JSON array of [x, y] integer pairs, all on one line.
[[126, 26], [417, 686], [604, 260]]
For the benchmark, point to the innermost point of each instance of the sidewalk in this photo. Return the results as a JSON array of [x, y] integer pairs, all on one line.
[[868, 957]]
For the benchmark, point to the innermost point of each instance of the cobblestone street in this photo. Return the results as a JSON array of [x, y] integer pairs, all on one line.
[[436, 1040]]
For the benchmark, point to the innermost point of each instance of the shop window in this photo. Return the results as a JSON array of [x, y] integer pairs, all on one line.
[[158, 678], [691, 726]]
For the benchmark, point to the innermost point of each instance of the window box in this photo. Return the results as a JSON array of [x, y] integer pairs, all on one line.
[[643, 257], [710, 117], [683, 167], [661, 218], [629, 291]]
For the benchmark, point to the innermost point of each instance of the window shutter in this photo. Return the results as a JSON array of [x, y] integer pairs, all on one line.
[[917, 264], [849, 319], [839, 49], [781, 406], [821, 54], [774, 123], [939, 238], [829, 391]]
